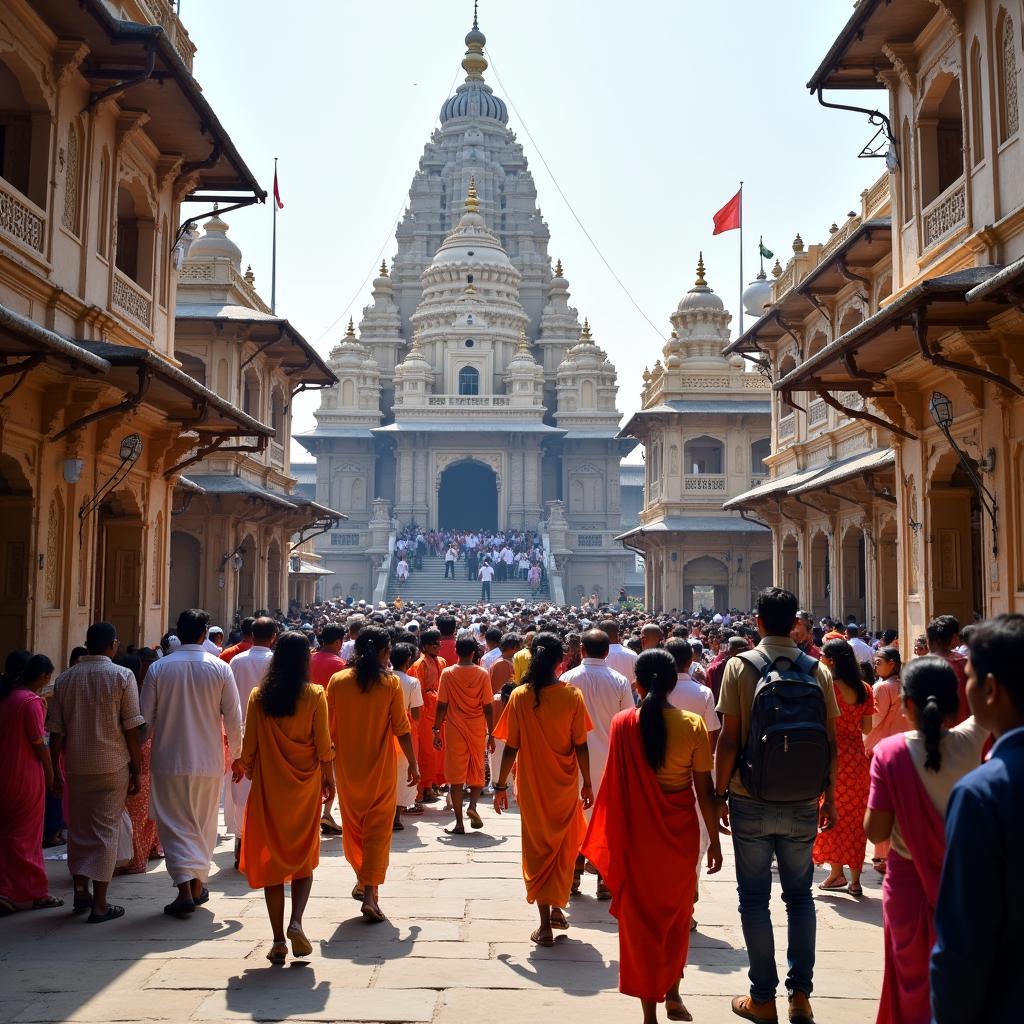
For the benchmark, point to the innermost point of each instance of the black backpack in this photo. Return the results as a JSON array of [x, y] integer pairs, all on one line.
[[787, 757]]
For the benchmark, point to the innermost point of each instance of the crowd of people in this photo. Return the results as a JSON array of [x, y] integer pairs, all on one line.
[[484, 555], [629, 743]]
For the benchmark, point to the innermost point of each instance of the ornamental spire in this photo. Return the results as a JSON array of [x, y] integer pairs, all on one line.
[[472, 203], [558, 269], [585, 335], [351, 331], [474, 63], [700, 282], [383, 268]]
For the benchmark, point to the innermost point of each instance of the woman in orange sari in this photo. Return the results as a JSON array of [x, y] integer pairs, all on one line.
[[644, 838], [366, 706], [288, 755], [545, 728]]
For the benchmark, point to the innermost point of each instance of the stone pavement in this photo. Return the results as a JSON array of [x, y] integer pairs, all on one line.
[[455, 948]]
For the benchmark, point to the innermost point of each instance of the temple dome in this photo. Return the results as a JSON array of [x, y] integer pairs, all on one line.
[[471, 240], [700, 296], [214, 243], [474, 98], [757, 296]]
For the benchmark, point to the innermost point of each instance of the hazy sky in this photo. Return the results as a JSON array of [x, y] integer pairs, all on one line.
[[648, 115]]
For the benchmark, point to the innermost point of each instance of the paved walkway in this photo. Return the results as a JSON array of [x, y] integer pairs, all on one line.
[[455, 949]]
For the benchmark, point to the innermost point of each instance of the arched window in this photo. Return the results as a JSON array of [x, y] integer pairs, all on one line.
[[469, 381], [251, 394], [72, 178], [759, 451], [977, 107], [23, 153], [941, 130], [587, 393], [703, 455], [133, 255], [1007, 64], [193, 366], [277, 415]]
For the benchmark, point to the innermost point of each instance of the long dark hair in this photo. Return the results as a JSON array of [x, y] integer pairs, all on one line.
[[546, 653], [287, 675], [930, 684], [845, 667], [656, 673], [14, 666], [370, 642]]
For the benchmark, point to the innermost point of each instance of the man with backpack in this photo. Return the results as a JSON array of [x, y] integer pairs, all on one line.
[[775, 759]]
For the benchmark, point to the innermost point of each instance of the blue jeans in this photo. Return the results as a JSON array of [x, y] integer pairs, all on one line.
[[785, 831]]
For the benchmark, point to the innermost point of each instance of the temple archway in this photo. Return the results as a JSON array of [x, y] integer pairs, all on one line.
[[186, 569], [120, 565], [468, 497], [703, 577]]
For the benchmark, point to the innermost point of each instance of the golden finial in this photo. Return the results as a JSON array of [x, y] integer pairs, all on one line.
[[351, 332], [700, 282], [472, 203], [524, 344], [383, 268], [558, 268], [474, 63], [777, 269], [416, 339], [647, 374], [585, 335]]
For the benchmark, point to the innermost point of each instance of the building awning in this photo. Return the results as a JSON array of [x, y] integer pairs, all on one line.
[[189, 485], [847, 469], [181, 398], [310, 569], [274, 335], [228, 485], [181, 120], [694, 524], [24, 339], [856, 59], [699, 407], [772, 485], [850, 260]]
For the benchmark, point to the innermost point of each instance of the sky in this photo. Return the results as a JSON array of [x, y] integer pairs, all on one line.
[[647, 115]]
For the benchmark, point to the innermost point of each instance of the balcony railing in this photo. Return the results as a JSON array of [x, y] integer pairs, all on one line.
[[470, 401], [21, 219], [276, 450], [840, 236], [704, 482], [133, 301], [945, 214], [875, 196], [757, 479], [787, 425], [818, 413]]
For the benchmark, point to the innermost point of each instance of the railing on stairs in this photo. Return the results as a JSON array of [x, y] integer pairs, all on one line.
[[384, 572], [555, 586]]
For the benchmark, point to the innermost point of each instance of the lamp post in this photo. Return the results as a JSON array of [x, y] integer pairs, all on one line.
[[941, 409]]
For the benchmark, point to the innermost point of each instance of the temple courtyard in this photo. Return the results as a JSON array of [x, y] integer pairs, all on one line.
[[455, 947]]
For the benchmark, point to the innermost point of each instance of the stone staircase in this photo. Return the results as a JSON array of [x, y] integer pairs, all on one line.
[[428, 586]]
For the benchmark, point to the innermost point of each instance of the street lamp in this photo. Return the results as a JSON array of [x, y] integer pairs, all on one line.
[[941, 409]]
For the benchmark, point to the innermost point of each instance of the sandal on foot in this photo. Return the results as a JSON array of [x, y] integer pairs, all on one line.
[[834, 887], [111, 914], [278, 953], [676, 1011], [455, 830], [397, 826], [47, 903], [301, 946], [558, 920], [603, 892], [855, 889], [203, 897], [81, 904], [542, 938], [474, 818], [329, 827], [180, 909]]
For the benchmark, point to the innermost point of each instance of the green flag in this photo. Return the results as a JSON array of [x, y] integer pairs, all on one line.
[[766, 253]]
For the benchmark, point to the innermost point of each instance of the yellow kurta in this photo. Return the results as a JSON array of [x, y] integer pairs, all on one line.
[[281, 830], [364, 727], [548, 785]]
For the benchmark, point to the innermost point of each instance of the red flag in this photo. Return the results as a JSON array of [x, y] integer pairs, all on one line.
[[729, 216], [277, 192]]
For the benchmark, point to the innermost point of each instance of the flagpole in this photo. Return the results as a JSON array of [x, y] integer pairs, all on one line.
[[741, 259], [273, 258]]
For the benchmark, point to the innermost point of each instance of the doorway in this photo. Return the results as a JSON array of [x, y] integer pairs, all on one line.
[[185, 573], [119, 534], [468, 497], [15, 547]]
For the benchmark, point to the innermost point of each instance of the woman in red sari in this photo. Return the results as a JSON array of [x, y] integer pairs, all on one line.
[[25, 775], [912, 775], [657, 757]]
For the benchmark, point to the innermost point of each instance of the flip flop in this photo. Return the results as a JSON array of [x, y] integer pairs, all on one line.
[[112, 914], [676, 1011], [536, 937], [278, 953], [855, 889], [180, 909], [604, 893], [415, 809], [474, 818], [301, 946], [841, 887], [559, 923], [329, 827], [47, 903]]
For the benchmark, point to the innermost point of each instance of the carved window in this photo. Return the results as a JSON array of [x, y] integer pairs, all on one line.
[[54, 552], [72, 179], [277, 415], [1008, 116], [469, 381], [703, 455], [941, 137], [977, 106]]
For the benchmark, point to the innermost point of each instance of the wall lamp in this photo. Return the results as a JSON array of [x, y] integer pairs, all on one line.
[[941, 409], [129, 453]]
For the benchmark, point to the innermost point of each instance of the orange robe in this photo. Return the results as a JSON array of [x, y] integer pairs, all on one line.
[[281, 829], [466, 689], [363, 727], [431, 762], [548, 785]]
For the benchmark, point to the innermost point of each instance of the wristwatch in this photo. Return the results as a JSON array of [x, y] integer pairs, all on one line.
[[722, 798]]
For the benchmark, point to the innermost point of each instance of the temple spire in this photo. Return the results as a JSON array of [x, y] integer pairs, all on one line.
[[472, 203], [700, 282], [475, 63]]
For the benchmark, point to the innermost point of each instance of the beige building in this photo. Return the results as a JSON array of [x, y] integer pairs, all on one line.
[[232, 539], [935, 369], [704, 425]]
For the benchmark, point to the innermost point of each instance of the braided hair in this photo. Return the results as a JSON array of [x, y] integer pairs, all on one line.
[[930, 684], [656, 673]]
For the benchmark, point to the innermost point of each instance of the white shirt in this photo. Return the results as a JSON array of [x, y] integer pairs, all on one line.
[[490, 657], [184, 698], [622, 660], [347, 649], [689, 695], [861, 650], [486, 573], [410, 691], [605, 693], [450, 555], [211, 647], [249, 669], [403, 568], [507, 556]]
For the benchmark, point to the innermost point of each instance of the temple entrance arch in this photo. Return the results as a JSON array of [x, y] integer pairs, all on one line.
[[703, 578], [120, 565], [854, 582], [468, 497]]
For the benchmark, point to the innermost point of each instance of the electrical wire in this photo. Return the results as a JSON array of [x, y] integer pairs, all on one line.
[[565, 198]]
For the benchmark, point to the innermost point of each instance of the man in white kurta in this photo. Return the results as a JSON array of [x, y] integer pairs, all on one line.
[[405, 795], [186, 698], [249, 670], [620, 658]]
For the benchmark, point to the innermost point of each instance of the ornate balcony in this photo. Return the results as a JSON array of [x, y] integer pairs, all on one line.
[[817, 413], [704, 482], [469, 401], [276, 450], [21, 220], [132, 300], [787, 426], [943, 215]]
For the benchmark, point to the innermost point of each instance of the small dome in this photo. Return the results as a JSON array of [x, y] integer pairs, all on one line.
[[757, 296], [215, 243], [700, 296], [474, 99], [470, 240]]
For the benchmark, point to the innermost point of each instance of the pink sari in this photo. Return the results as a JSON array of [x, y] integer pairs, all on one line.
[[910, 887]]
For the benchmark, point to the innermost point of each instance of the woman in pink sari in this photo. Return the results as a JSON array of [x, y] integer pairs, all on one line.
[[912, 775], [25, 775]]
